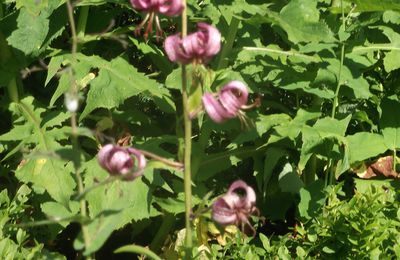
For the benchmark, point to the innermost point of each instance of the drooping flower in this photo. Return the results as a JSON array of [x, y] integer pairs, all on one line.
[[236, 206], [154, 7], [227, 103], [118, 160], [198, 47]]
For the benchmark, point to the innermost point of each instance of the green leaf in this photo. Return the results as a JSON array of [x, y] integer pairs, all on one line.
[[365, 5], [300, 20], [365, 145], [114, 205], [289, 181], [390, 122], [50, 175], [117, 80], [31, 33], [312, 199]]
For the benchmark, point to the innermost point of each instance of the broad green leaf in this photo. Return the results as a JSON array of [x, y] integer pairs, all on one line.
[[391, 17], [391, 61], [390, 122], [312, 198], [365, 5], [289, 180], [300, 20], [293, 128], [31, 33], [50, 175], [365, 145], [117, 80], [57, 211], [114, 205]]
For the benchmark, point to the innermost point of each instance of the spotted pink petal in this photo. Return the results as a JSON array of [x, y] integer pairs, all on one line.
[[222, 213], [213, 108], [118, 161], [249, 197], [171, 7], [142, 5], [199, 46], [212, 39], [233, 96], [170, 46]]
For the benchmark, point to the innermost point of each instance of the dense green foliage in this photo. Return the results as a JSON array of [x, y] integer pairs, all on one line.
[[328, 76]]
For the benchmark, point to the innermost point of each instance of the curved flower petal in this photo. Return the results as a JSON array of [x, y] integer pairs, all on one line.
[[213, 108], [222, 213], [249, 197], [143, 5], [199, 46], [212, 44], [171, 7], [170, 46], [103, 155], [118, 161], [239, 89]]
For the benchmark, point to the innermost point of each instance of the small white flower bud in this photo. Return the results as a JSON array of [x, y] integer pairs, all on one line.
[[71, 102]]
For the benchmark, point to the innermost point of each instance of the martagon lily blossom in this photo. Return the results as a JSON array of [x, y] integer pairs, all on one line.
[[236, 206], [198, 47], [118, 161], [228, 103], [154, 7]]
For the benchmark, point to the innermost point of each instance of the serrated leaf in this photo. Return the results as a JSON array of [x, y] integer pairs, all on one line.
[[300, 20], [31, 33], [50, 175], [114, 205], [117, 80]]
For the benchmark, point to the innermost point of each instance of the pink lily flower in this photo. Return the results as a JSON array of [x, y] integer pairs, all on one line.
[[118, 160], [152, 8], [198, 47], [228, 103], [234, 208]]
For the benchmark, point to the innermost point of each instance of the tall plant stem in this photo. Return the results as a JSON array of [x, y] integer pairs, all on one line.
[[188, 149], [5, 55], [330, 177], [230, 38], [336, 98], [75, 144]]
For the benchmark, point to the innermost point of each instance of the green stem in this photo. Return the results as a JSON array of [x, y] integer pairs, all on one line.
[[81, 26], [12, 89], [137, 250], [230, 38], [74, 126], [188, 149], [82, 21], [335, 99], [5, 56], [331, 172]]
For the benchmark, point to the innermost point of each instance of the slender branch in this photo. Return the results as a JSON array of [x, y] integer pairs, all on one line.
[[162, 159], [335, 100], [138, 250], [75, 144], [188, 148]]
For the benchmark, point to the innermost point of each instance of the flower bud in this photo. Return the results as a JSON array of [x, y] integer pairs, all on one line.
[[227, 104], [118, 160], [198, 47]]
